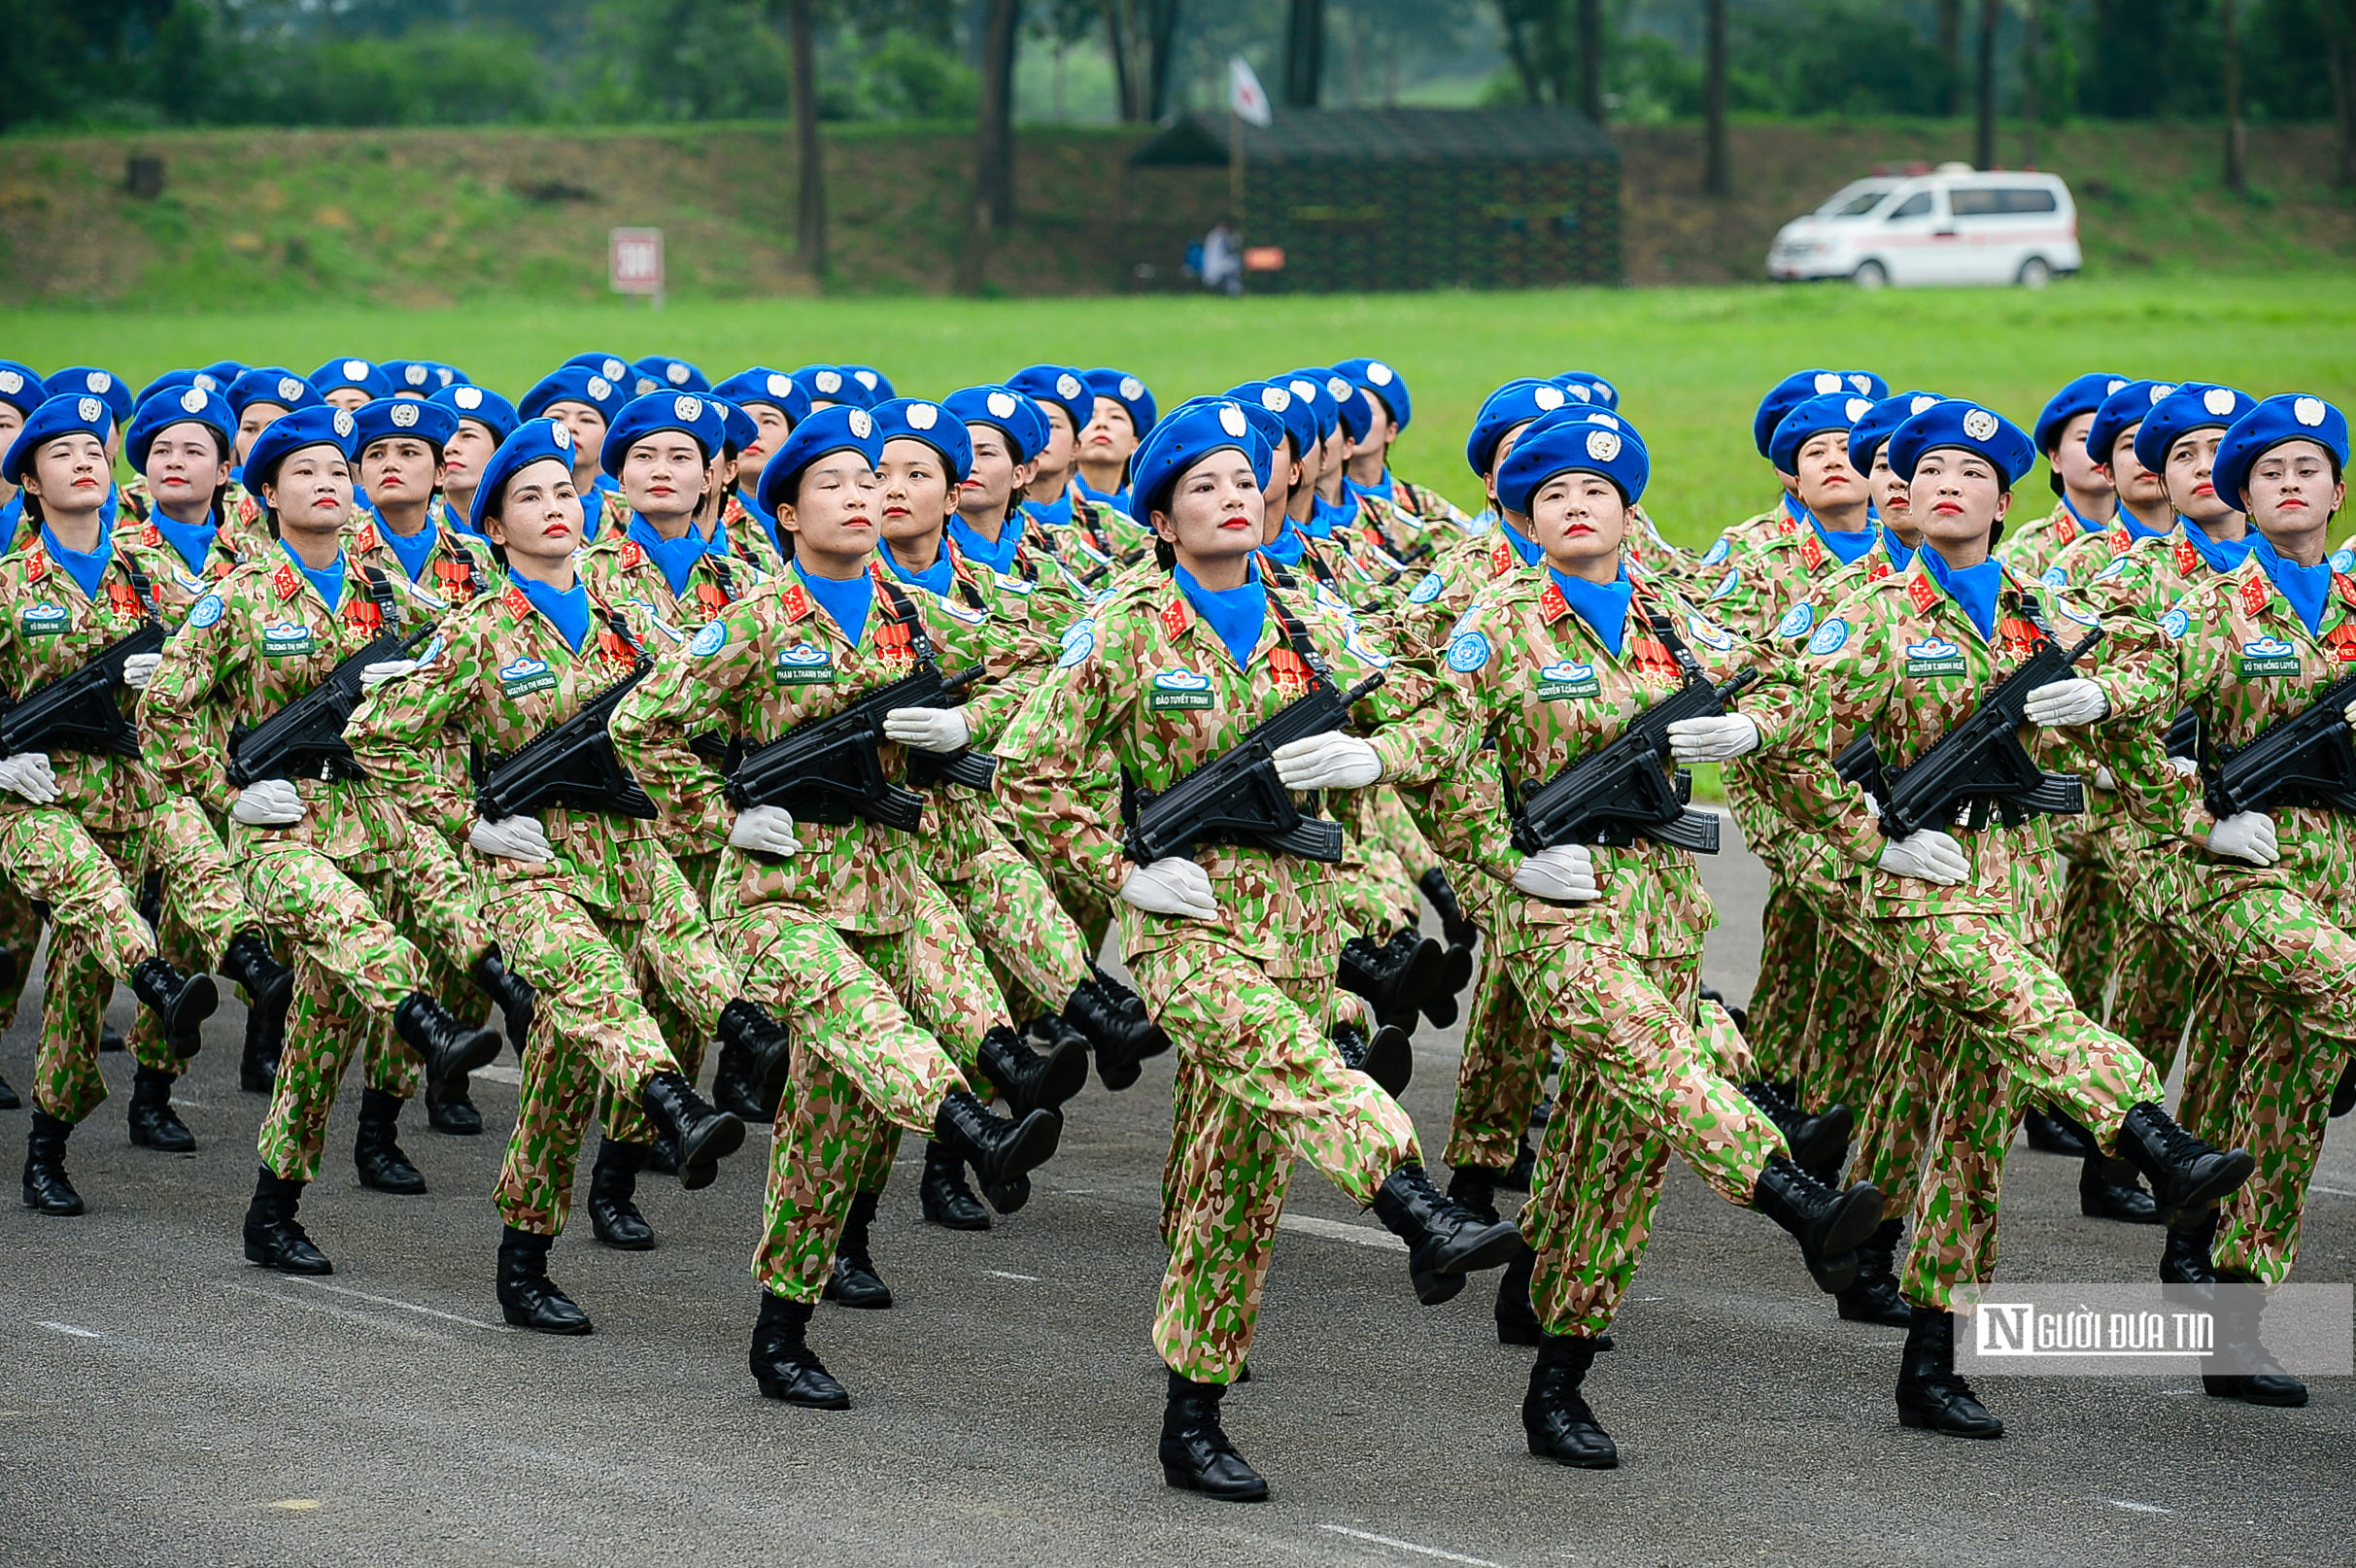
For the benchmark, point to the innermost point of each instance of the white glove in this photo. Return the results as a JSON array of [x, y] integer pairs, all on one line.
[[1172, 886], [2076, 700], [927, 729], [270, 803], [2105, 780], [517, 837], [139, 669], [1929, 856], [767, 830], [2246, 835], [1562, 874], [372, 676], [29, 774], [1712, 740], [2347, 715], [1332, 760], [2181, 766]]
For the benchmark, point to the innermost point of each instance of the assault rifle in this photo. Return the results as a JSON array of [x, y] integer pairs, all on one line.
[[570, 765], [77, 711], [1980, 762], [1236, 798], [305, 738], [830, 771], [2307, 757]]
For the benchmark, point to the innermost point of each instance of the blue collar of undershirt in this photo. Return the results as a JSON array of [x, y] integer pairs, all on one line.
[[2086, 524], [1848, 547], [411, 550], [2307, 588], [2222, 555], [192, 541], [1900, 552], [1052, 514], [1603, 606], [593, 506], [1973, 588], [87, 569], [566, 609], [1109, 498], [936, 579], [329, 582], [676, 558], [1238, 615], [1529, 552], [846, 598], [2136, 530], [1288, 546]]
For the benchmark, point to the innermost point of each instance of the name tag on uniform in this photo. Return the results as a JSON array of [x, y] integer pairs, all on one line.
[[806, 666], [45, 619], [286, 639], [1566, 679], [1933, 656], [2267, 659], [1178, 689], [526, 676]]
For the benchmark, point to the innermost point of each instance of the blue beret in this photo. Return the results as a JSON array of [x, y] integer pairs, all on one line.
[[1185, 437], [419, 378], [1574, 439], [697, 416], [1126, 389], [1060, 385], [877, 384], [2080, 395], [225, 371], [429, 422], [612, 366], [359, 375], [1514, 404], [661, 373], [1786, 395], [827, 383], [20, 387], [1950, 422], [61, 415], [1351, 407], [173, 381], [270, 384], [1266, 427], [2195, 405], [1300, 425], [2119, 411], [2283, 417], [1813, 415], [841, 427], [321, 424], [105, 385], [1309, 385], [761, 385], [1010, 411], [1588, 388], [1874, 427], [1375, 379], [574, 384], [738, 430], [540, 440], [191, 404], [913, 419], [480, 404]]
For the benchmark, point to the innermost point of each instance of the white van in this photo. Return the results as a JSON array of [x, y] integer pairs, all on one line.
[[1954, 224]]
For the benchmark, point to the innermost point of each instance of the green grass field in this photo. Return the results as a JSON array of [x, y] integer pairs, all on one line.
[[1690, 364]]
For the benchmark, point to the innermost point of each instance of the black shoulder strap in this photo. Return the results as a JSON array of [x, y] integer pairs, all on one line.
[[721, 570], [380, 588], [139, 584], [618, 626], [903, 610], [1296, 634]]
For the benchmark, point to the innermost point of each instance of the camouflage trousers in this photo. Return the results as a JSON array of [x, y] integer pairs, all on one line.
[[434, 900], [2123, 968], [202, 906], [20, 920], [1008, 907], [1779, 1009], [619, 998], [869, 1062], [91, 885], [1259, 1085]]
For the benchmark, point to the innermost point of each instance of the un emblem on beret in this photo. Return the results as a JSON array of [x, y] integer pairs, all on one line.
[[467, 398], [560, 433], [1922, 401], [2159, 390], [1546, 397], [922, 416], [1275, 399], [862, 424], [1862, 382], [1067, 385], [11, 382], [2308, 411], [343, 423], [828, 382], [642, 386], [1231, 420], [1858, 407], [289, 388], [1603, 445], [1002, 405], [1603, 389], [98, 381], [1979, 425], [865, 378], [1132, 388], [415, 375], [356, 370], [1574, 390], [1338, 386], [779, 385], [1304, 389], [404, 413], [687, 406], [600, 389], [89, 408], [1826, 383], [193, 400], [675, 373], [1381, 374], [2113, 384], [1599, 416], [2218, 400], [614, 369]]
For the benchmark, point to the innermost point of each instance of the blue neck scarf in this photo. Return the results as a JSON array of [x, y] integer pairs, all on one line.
[[676, 558], [936, 579], [1901, 553], [411, 550], [1109, 498], [593, 504], [566, 609], [2307, 588], [1603, 606], [2134, 527], [846, 598], [1327, 516], [1289, 546], [84, 569], [1850, 548], [2222, 555], [1237, 614], [2086, 524], [194, 541], [1529, 553], [450, 516], [997, 555], [330, 583], [1052, 514], [1973, 588], [1380, 489]]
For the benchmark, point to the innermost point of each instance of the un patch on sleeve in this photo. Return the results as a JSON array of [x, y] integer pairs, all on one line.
[[2176, 622], [1830, 637], [1427, 589], [1729, 582], [1718, 550], [1797, 620], [206, 611], [710, 640], [1467, 652], [1080, 642]]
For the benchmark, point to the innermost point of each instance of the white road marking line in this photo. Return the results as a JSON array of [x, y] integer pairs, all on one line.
[[404, 1305], [1409, 1546], [2139, 1508], [1335, 1229], [398, 1327], [68, 1329], [2337, 1192], [499, 1075], [1026, 1278]]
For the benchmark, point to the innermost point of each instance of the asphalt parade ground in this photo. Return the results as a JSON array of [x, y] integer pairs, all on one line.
[[163, 1402]]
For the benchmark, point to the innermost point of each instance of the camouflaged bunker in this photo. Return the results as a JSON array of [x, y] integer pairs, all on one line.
[[1401, 198]]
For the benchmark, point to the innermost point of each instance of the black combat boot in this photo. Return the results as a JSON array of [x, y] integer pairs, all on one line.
[[46, 1187], [662, 1153], [2107, 1190], [855, 1281], [265, 1042], [735, 1088], [613, 1192], [1393, 977], [1196, 1455], [110, 1039], [377, 1149], [1387, 1058], [273, 1237], [451, 1107], [2237, 1317], [765, 1047], [1456, 964], [1027, 1081], [1444, 1243], [1114, 1021], [1930, 1394], [1556, 1414], [1474, 1188], [527, 1297], [1875, 1298], [268, 984], [784, 1364], [947, 1201], [2055, 1133], [1818, 1143], [153, 1123], [509, 992], [181, 1002], [2343, 1093], [1516, 1177], [1002, 1152], [1828, 1224], [705, 1137], [7, 1097], [2187, 1175], [1517, 1318], [2186, 1259], [448, 1049]]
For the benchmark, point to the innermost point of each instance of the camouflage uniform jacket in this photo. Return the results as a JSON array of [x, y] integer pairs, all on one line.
[[1767, 571], [52, 630], [458, 569], [2039, 545], [2077, 562], [618, 569]]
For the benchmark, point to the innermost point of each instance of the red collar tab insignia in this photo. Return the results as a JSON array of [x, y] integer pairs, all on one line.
[[151, 537], [2066, 526], [795, 602], [515, 601], [1501, 559], [287, 583], [1812, 551], [1552, 606], [2256, 592], [2188, 558], [2348, 588], [365, 536], [1785, 522], [631, 555], [2342, 640], [36, 564], [1878, 571], [1174, 618], [1921, 590], [2121, 541]]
